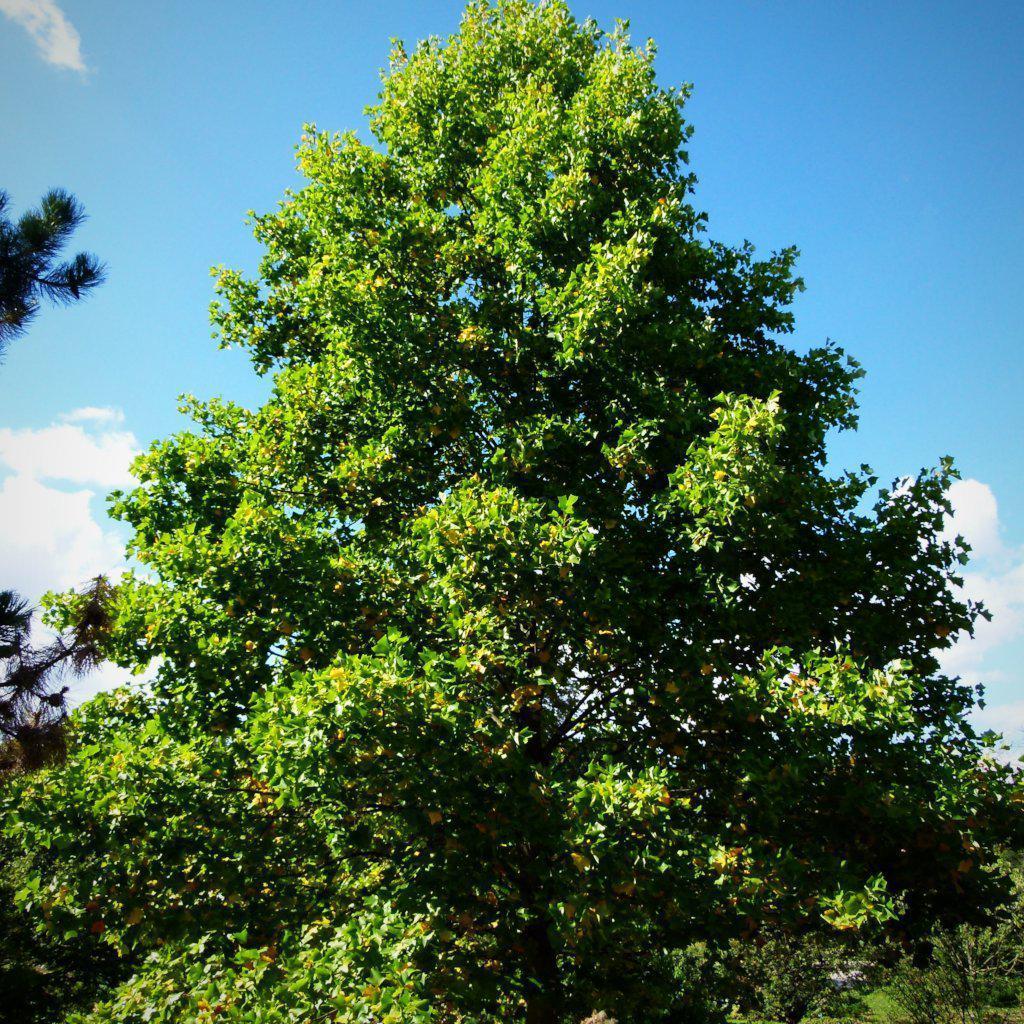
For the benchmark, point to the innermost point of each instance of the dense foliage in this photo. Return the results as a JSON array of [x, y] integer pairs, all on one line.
[[520, 639]]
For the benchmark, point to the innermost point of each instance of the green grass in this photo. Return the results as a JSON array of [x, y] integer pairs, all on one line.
[[880, 1007]]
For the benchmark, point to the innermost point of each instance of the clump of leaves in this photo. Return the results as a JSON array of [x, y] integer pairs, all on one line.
[[45, 975], [787, 977]]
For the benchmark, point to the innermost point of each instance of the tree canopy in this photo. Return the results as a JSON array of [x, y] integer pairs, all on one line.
[[521, 637]]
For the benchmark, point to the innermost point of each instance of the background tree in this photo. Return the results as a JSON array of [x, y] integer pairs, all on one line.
[[32, 703], [30, 271], [30, 265], [967, 973], [520, 639], [41, 976], [15, 622]]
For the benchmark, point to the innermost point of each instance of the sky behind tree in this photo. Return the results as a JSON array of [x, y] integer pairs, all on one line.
[[881, 139]]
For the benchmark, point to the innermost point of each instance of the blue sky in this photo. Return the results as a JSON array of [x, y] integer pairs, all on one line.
[[882, 139]]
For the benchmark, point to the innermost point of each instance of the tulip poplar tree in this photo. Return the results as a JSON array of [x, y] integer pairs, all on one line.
[[521, 638]]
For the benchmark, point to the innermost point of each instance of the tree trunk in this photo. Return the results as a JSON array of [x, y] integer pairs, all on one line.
[[543, 988]]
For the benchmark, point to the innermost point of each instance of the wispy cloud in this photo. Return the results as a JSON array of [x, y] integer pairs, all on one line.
[[92, 413], [57, 39]]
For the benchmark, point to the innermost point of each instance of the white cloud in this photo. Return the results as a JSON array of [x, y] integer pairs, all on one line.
[[49, 539], [81, 452], [53, 535], [995, 577], [975, 517], [50, 536], [56, 38], [92, 413], [1001, 590], [1007, 719]]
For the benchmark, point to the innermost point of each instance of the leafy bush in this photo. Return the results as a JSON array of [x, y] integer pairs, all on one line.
[[789, 977], [962, 979]]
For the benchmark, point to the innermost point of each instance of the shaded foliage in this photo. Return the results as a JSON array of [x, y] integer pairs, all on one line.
[[44, 976]]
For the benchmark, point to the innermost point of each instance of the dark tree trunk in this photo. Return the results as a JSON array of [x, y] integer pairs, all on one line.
[[543, 988], [543, 985]]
